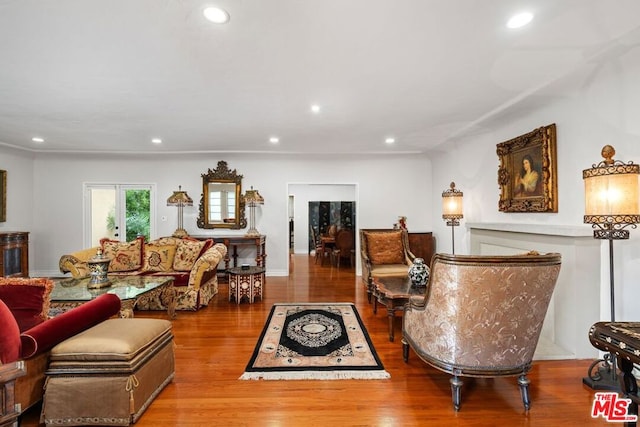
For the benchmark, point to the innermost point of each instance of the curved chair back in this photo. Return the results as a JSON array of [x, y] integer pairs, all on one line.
[[482, 315]]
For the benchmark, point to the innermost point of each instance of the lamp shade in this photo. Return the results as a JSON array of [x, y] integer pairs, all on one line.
[[179, 198], [452, 203], [611, 191], [253, 197]]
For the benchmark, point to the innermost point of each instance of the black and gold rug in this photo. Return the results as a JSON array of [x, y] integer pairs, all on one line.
[[314, 341]]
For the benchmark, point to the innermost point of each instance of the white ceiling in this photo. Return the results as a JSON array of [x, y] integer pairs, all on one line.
[[90, 75]]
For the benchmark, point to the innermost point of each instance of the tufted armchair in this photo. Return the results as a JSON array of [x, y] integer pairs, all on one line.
[[385, 253], [481, 316]]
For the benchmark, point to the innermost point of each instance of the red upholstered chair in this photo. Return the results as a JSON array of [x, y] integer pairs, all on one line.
[[27, 334]]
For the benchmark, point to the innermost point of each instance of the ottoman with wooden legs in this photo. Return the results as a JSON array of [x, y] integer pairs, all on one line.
[[108, 374]]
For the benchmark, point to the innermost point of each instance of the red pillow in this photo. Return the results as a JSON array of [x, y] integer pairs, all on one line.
[[9, 337], [27, 298]]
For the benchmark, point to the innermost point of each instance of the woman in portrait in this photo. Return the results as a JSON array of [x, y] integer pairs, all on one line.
[[527, 181]]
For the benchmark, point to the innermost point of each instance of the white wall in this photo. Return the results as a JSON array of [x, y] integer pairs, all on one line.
[[603, 108], [387, 186], [21, 214]]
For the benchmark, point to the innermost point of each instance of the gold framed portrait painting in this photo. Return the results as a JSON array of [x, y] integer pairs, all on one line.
[[3, 196], [527, 173]]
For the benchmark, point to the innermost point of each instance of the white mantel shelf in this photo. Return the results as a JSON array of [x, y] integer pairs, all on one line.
[[545, 229]]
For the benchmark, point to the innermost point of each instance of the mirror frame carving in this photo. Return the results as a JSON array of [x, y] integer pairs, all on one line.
[[221, 174]]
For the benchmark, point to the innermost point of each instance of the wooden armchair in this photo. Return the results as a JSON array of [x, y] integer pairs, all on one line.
[[385, 253], [482, 316]]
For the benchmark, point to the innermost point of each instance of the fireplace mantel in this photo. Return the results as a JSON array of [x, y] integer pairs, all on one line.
[[575, 305], [544, 229]]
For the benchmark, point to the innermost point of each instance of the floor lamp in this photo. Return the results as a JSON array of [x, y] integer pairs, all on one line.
[[252, 198], [180, 199], [611, 205], [452, 210]]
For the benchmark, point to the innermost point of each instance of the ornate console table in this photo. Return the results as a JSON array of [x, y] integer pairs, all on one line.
[[232, 243]]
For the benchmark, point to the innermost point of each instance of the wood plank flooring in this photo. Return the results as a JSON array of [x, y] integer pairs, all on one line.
[[214, 345]]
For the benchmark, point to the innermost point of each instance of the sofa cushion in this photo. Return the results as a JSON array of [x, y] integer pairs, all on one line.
[[385, 247], [187, 252], [158, 258], [9, 337], [27, 298], [125, 256]]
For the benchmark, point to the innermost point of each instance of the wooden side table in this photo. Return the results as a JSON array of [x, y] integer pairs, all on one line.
[[394, 292], [245, 283]]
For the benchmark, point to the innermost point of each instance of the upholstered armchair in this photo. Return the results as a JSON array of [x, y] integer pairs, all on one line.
[[385, 253], [481, 316]]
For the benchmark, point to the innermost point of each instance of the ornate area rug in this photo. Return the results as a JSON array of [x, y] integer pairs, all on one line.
[[314, 341]]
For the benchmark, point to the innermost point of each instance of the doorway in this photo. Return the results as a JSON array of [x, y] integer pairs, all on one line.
[[300, 194]]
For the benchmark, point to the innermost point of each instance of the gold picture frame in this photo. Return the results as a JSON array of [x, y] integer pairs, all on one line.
[[3, 196], [527, 174]]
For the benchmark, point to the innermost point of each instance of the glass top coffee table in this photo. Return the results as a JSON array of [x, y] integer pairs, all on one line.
[[69, 293], [394, 293]]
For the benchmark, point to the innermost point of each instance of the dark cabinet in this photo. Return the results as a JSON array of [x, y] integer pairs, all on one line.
[[422, 245], [14, 254]]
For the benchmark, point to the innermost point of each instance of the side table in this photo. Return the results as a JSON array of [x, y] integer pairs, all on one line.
[[245, 283]]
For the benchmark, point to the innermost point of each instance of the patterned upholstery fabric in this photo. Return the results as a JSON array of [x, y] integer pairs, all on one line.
[[158, 257], [125, 256], [194, 287], [187, 252], [482, 316]]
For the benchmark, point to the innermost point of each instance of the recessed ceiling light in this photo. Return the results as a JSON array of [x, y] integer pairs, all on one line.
[[37, 139], [156, 141], [520, 20], [315, 108], [390, 140], [274, 140], [216, 15]]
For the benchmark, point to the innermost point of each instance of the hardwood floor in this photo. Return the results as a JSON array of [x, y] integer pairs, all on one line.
[[214, 345]]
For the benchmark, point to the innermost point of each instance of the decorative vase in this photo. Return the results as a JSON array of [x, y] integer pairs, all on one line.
[[419, 273], [99, 266]]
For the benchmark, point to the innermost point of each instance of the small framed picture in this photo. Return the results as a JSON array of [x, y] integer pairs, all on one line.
[[527, 173]]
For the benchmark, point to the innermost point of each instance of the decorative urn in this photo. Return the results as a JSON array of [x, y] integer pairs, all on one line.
[[99, 266], [419, 273]]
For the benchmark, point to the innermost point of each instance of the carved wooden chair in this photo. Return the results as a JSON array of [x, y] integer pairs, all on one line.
[[482, 316], [385, 253], [344, 247]]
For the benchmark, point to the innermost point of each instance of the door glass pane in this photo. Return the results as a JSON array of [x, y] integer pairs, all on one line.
[[103, 207], [137, 213]]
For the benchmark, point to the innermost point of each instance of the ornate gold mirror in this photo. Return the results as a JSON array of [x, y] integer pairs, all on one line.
[[221, 204]]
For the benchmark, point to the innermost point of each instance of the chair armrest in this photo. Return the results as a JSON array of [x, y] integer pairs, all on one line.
[[47, 334], [206, 262], [76, 263]]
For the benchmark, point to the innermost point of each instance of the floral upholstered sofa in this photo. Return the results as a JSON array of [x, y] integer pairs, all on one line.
[[192, 263]]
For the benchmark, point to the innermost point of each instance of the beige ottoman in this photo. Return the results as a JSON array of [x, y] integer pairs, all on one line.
[[108, 374]]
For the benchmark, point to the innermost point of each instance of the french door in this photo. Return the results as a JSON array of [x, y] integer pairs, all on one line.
[[118, 212]]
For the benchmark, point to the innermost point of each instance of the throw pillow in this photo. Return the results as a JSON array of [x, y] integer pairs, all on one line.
[[27, 298], [10, 336], [125, 256], [158, 257], [187, 253], [385, 247]]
